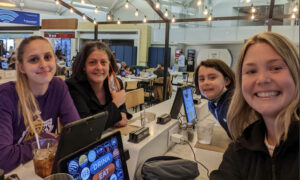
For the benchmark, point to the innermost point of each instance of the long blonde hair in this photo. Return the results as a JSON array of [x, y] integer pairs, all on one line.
[[27, 105], [240, 114]]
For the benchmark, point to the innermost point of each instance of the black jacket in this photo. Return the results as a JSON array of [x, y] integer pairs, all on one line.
[[249, 159], [88, 104], [160, 73]]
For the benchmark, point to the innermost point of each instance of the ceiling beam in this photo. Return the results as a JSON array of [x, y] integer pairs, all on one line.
[[271, 15], [158, 11]]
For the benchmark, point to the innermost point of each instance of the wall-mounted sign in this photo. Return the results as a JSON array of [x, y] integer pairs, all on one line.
[[59, 35], [19, 17]]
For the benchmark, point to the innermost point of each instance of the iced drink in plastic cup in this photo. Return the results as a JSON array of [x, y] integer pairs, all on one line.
[[43, 158], [205, 131]]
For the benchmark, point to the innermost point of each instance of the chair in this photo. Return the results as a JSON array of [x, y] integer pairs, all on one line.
[[148, 92], [135, 98], [61, 77], [158, 88], [150, 70], [131, 85]]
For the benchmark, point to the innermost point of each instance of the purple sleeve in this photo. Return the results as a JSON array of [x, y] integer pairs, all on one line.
[[67, 112], [11, 155]]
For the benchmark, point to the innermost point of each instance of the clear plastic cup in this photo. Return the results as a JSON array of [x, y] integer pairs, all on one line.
[[143, 118], [59, 176], [43, 158], [205, 131]]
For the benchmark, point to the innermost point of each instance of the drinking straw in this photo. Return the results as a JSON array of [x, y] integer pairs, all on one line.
[[37, 140]]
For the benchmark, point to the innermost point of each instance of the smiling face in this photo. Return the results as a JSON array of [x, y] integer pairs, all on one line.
[[39, 63], [267, 84], [211, 82], [97, 67]]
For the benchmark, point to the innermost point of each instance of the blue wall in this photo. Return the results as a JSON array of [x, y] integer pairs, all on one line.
[[156, 56], [125, 53]]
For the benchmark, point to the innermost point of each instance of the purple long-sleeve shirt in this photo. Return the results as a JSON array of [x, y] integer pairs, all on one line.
[[15, 139]]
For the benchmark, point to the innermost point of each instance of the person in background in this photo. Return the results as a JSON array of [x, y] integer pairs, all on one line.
[[214, 80], [123, 66], [32, 104], [89, 85], [181, 64], [160, 71], [12, 61], [263, 116], [127, 70]]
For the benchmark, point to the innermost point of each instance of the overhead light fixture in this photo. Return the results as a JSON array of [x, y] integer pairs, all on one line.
[[96, 10], [7, 3], [205, 11], [209, 17], [109, 17], [199, 2], [126, 4], [253, 10], [293, 16], [71, 10], [157, 4], [136, 13], [145, 19], [173, 19], [295, 9], [119, 22], [252, 17], [166, 14], [82, 1]]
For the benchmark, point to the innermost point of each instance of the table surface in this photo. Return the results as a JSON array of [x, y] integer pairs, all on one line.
[[210, 157]]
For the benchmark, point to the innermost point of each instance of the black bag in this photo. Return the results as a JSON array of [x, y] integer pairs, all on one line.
[[167, 167]]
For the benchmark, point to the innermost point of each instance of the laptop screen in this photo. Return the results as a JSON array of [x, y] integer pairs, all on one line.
[[137, 72], [68, 63], [4, 65], [103, 159], [189, 107]]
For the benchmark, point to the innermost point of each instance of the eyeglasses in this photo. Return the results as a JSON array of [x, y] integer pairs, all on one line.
[[12, 177]]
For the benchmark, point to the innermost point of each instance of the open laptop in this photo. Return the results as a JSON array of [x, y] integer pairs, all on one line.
[[103, 159], [79, 134]]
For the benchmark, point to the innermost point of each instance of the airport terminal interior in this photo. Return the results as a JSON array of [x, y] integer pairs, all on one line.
[[145, 36]]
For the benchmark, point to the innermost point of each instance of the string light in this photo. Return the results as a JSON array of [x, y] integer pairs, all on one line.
[[205, 11], [248, 1], [96, 10], [119, 22], [109, 17], [295, 9], [136, 13], [199, 2], [173, 19], [293, 16], [253, 10], [157, 4], [95, 22], [71, 10], [84, 17], [209, 17], [166, 14], [82, 1], [252, 16], [126, 4], [57, 2], [145, 19]]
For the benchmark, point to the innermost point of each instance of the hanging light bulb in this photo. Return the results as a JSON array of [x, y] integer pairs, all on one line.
[[95, 22], [252, 17], [157, 4], [82, 1], [126, 4], [57, 2], [293, 16], [199, 2], [205, 11], [173, 19], [109, 17], [166, 14], [84, 17], [248, 1], [96, 10], [295, 9], [253, 10], [145, 19], [209, 17], [71, 10], [119, 22], [136, 13]]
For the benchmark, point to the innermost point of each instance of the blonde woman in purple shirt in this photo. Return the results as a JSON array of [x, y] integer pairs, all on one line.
[[32, 104]]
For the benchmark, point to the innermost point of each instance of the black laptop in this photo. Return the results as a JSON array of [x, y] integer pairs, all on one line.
[[79, 134], [103, 159]]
